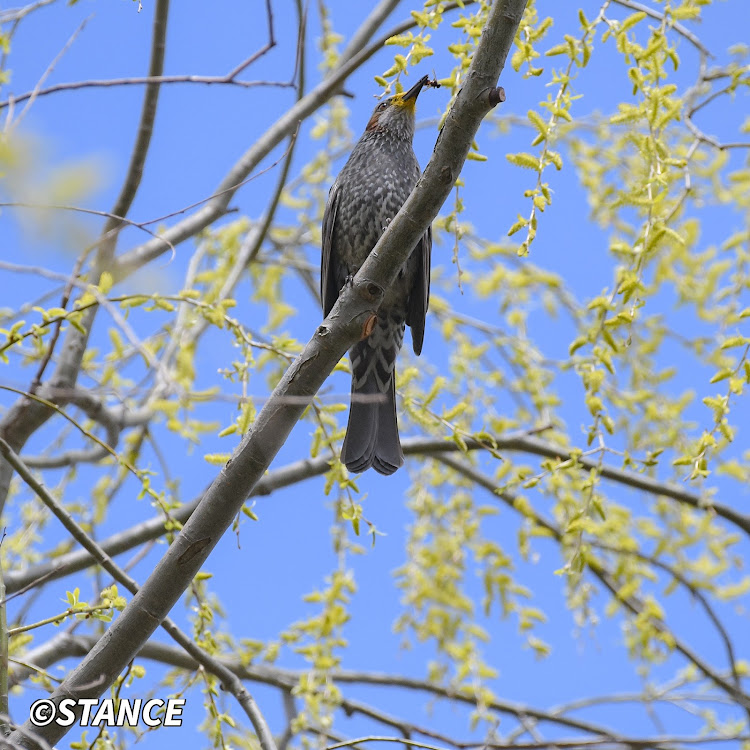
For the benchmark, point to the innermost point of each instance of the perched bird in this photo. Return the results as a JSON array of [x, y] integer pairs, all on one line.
[[368, 193]]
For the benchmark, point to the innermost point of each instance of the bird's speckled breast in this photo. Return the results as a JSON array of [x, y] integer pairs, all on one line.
[[374, 184]]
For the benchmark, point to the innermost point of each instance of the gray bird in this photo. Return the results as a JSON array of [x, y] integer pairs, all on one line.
[[365, 197]]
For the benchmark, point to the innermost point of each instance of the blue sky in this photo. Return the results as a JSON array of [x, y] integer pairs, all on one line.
[[200, 132]]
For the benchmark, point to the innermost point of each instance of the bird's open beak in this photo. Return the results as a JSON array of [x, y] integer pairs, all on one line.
[[413, 92]]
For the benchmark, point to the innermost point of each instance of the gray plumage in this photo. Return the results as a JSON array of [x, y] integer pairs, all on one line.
[[365, 197]]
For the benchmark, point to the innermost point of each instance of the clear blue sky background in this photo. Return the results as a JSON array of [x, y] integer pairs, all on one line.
[[200, 132]]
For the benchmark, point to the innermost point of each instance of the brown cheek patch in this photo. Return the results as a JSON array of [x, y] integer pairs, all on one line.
[[373, 124]]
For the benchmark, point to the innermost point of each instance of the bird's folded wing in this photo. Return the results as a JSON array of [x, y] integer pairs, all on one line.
[[419, 296], [329, 288]]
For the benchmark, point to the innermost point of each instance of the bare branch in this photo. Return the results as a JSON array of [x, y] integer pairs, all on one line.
[[146, 81], [114, 218], [32, 95], [267, 47], [17, 14], [145, 126], [158, 79]]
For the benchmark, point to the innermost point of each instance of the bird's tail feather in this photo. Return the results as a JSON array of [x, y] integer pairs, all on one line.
[[372, 431]]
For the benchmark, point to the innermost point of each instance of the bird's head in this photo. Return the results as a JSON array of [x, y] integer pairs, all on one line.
[[395, 115]]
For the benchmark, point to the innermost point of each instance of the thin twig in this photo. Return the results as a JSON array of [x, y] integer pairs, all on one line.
[[159, 79], [37, 381], [17, 14], [679, 28], [32, 96], [145, 81]]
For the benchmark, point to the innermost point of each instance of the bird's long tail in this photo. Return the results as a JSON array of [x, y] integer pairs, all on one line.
[[372, 432]]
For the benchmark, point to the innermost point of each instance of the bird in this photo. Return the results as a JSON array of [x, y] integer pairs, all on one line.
[[376, 180]]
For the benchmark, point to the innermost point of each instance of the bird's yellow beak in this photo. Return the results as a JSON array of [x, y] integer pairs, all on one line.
[[409, 98]]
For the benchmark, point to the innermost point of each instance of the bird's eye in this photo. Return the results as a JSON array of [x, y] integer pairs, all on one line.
[[382, 106]]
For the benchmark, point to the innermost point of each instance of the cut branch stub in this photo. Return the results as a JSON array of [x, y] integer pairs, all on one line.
[[497, 95]]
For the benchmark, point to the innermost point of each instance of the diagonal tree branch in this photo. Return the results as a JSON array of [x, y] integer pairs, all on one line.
[[339, 331]]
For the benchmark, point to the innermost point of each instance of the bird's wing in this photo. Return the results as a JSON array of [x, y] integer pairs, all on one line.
[[329, 290], [419, 296]]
